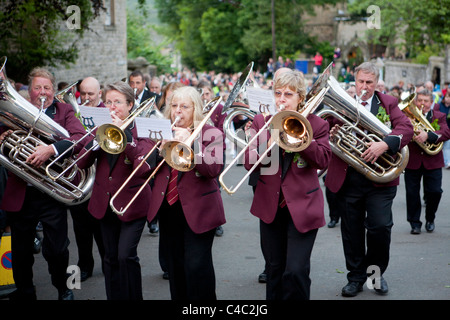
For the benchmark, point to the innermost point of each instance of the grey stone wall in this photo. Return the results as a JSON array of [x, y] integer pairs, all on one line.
[[394, 71], [102, 51]]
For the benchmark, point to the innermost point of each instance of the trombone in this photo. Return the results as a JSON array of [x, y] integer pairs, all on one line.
[[293, 133], [114, 131], [169, 152]]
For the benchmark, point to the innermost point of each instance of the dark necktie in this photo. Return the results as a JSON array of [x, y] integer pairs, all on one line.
[[172, 191]]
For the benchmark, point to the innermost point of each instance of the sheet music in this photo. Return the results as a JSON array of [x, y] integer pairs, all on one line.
[[154, 128], [91, 117], [261, 100]]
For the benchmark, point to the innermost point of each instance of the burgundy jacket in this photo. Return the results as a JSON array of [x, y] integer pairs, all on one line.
[[111, 173], [417, 156], [62, 114], [198, 189], [401, 127], [298, 181]]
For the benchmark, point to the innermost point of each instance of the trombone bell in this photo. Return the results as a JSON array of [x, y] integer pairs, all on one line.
[[178, 156], [295, 131], [111, 138]]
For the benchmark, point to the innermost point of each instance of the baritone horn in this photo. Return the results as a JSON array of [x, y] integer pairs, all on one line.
[[31, 128], [359, 127], [292, 133], [420, 123]]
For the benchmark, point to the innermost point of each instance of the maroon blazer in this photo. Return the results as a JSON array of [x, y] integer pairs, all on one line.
[[198, 189], [401, 127], [417, 156], [111, 173], [298, 181], [62, 114]]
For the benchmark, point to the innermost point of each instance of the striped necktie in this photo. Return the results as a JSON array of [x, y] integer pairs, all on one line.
[[172, 191]]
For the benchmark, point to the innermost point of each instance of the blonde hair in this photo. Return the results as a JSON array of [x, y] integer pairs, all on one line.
[[294, 80], [187, 92]]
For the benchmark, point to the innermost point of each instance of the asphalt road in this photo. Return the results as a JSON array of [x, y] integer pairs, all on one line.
[[419, 267]]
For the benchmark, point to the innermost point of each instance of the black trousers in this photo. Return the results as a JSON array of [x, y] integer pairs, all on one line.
[[86, 228], [432, 183], [287, 252], [366, 212], [189, 256], [123, 280], [53, 216]]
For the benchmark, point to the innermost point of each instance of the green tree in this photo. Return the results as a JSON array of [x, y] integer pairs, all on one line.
[[140, 44], [225, 35], [33, 33], [416, 25]]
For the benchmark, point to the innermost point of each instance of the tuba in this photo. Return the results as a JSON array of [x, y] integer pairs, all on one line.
[[27, 123], [419, 122], [358, 129]]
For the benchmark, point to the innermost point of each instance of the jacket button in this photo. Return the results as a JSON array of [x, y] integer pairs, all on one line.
[[162, 193], [107, 193], [110, 178]]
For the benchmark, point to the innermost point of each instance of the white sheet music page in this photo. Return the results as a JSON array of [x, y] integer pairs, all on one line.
[[91, 117], [261, 100], [154, 128]]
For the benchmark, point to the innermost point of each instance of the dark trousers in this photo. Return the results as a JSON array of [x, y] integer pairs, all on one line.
[[432, 183], [189, 256], [288, 254], [123, 280], [366, 212], [86, 228], [53, 216]]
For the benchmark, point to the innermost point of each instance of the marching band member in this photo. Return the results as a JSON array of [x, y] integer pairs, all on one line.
[[363, 204], [422, 166], [121, 234], [26, 205], [290, 203], [189, 204]]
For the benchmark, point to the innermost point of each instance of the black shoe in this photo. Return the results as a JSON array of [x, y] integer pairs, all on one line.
[[66, 295], [383, 289], [332, 223], [219, 231], [351, 289], [153, 228], [429, 226], [37, 244], [262, 278], [415, 230], [166, 275], [84, 275]]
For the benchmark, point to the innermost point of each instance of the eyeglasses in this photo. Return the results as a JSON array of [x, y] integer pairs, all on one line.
[[117, 103], [182, 107], [287, 95]]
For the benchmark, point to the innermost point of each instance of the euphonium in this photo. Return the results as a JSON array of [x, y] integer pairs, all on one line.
[[352, 140], [420, 123], [27, 122]]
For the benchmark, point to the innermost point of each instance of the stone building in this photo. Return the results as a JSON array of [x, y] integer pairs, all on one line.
[[103, 49]]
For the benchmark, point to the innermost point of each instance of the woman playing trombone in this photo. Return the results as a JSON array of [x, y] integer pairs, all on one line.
[[189, 204], [120, 233], [288, 199]]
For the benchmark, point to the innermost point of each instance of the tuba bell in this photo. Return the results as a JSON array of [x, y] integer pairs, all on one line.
[[27, 123], [352, 140], [419, 122]]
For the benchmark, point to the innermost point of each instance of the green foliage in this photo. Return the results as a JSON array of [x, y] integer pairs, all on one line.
[[225, 35], [140, 43], [33, 33], [415, 25]]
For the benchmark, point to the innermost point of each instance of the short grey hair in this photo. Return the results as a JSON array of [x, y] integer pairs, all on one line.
[[42, 73], [368, 67], [425, 92], [123, 88]]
